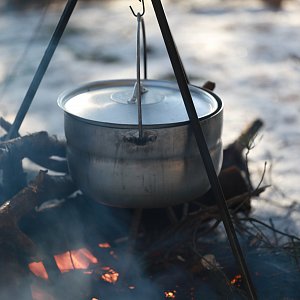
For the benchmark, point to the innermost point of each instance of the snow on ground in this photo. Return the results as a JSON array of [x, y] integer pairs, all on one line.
[[252, 53]]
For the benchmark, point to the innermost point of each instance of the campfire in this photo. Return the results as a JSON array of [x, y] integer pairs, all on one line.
[[68, 232], [57, 239], [57, 244]]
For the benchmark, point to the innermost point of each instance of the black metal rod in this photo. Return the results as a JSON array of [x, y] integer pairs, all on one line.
[[203, 148], [144, 49], [138, 75], [42, 68]]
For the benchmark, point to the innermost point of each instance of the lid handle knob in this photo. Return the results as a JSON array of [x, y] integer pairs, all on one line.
[[134, 96]]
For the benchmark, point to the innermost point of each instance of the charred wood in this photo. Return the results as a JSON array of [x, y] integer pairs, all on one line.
[[233, 155], [13, 176], [43, 188], [39, 142], [209, 85], [234, 183], [15, 246], [39, 148]]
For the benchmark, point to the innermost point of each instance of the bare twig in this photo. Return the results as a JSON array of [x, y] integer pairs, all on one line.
[[253, 220], [193, 221], [262, 176]]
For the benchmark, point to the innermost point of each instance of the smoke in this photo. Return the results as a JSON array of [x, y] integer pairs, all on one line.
[[82, 245]]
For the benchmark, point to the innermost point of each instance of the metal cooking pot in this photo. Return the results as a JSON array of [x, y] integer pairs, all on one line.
[[117, 162]]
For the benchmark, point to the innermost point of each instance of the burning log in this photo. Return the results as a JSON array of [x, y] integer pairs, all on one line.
[[15, 246]]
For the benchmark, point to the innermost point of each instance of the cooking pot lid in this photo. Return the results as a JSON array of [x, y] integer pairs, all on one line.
[[109, 102]]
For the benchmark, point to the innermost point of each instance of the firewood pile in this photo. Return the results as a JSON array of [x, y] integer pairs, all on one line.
[[56, 244]]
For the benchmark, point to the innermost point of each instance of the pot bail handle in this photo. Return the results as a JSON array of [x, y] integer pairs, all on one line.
[[139, 89]]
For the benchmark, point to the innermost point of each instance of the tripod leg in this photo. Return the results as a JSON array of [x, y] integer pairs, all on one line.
[[42, 68], [203, 148]]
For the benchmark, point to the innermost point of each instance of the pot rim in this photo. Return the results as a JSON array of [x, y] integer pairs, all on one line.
[[90, 86]]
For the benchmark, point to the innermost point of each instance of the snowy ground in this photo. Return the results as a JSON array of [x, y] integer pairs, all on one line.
[[252, 53]]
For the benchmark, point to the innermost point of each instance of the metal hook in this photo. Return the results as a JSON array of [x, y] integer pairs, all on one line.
[[141, 14]]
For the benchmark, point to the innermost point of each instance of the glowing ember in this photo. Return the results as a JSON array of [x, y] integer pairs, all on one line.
[[236, 280], [75, 259], [82, 258], [38, 269], [170, 294], [110, 276], [104, 245], [64, 262]]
